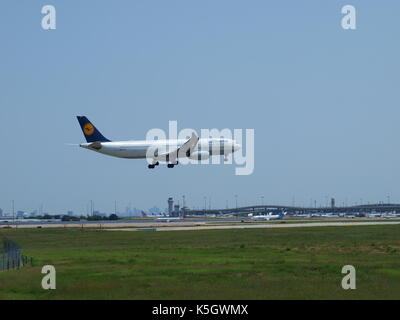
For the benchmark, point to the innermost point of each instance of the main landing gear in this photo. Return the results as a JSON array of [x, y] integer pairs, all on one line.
[[152, 166], [169, 165]]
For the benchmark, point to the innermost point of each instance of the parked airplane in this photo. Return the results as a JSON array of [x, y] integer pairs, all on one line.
[[168, 151], [329, 215], [391, 215], [269, 216], [169, 219], [374, 215], [144, 214]]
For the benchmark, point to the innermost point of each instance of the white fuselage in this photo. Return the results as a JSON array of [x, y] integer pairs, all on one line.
[[140, 149], [169, 219], [269, 216]]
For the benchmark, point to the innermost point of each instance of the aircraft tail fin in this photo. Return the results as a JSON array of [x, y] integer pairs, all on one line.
[[90, 131]]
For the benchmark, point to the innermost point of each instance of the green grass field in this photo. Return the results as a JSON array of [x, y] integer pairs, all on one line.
[[293, 263]]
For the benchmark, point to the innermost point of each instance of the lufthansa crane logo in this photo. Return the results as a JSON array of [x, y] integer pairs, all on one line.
[[88, 129]]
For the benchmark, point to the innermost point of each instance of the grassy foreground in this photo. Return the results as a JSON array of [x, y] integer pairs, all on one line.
[[293, 263]]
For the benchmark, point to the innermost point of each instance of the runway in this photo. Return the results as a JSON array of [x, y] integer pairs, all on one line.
[[258, 226], [100, 225]]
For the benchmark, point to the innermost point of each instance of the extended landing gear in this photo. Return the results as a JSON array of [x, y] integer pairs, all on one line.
[[171, 165], [152, 166]]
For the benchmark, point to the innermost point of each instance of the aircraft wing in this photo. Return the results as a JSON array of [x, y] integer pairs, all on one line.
[[180, 151]]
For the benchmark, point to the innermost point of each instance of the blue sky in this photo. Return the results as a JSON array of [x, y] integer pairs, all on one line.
[[324, 102]]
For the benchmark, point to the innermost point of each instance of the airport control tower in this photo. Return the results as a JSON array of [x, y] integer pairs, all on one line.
[[170, 206]]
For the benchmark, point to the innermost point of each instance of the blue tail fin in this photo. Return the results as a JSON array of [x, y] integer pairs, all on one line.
[[90, 132]]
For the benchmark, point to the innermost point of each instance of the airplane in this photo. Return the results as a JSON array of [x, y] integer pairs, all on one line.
[[169, 219], [374, 215], [144, 214], [391, 215], [193, 148], [269, 216], [302, 216], [331, 215]]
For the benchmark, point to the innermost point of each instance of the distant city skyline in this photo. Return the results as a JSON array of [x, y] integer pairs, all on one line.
[[129, 209]]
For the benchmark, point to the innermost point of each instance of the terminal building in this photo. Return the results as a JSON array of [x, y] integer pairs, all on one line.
[[359, 210], [332, 209]]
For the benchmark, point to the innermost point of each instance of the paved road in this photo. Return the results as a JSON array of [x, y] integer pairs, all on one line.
[[270, 225]]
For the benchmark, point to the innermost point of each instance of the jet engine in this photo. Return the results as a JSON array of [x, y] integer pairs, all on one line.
[[199, 155]]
